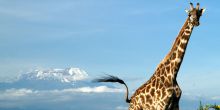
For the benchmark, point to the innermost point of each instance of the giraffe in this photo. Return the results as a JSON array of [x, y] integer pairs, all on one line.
[[161, 91]]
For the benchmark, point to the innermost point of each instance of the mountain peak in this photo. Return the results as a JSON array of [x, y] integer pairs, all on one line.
[[63, 75]]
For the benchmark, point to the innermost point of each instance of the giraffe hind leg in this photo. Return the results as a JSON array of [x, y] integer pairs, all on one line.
[[175, 105], [176, 99]]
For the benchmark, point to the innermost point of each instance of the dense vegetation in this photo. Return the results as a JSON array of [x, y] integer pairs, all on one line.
[[209, 107]]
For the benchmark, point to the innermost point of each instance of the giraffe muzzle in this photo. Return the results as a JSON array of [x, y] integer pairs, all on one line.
[[196, 23]]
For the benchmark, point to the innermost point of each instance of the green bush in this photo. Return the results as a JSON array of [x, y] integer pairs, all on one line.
[[208, 106]]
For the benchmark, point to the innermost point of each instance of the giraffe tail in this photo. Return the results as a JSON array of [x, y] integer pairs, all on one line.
[[114, 79]]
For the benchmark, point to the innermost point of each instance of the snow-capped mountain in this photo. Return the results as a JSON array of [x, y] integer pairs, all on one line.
[[52, 79], [44, 79], [62, 75]]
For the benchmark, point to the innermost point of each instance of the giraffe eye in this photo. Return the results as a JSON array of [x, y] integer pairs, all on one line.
[[189, 14]]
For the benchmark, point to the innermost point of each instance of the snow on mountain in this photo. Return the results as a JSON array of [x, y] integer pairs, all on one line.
[[52, 79], [62, 75]]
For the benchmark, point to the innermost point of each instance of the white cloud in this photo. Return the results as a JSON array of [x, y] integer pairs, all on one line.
[[11, 98], [16, 93], [121, 108], [200, 97], [98, 89], [192, 96], [215, 98]]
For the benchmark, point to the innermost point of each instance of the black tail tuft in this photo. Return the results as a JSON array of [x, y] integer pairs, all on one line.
[[109, 78]]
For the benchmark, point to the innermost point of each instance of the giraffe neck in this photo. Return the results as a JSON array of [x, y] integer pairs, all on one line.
[[175, 57]]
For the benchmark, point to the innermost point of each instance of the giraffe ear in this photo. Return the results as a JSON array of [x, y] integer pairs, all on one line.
[[187, 11], [203, 10]]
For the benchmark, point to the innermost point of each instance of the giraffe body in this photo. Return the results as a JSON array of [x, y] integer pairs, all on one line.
[[161, 91]]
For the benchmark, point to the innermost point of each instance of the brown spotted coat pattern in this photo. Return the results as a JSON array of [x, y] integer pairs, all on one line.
[[161, 91]]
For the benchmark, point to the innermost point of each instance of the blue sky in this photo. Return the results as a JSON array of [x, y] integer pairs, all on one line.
[[120, 37]]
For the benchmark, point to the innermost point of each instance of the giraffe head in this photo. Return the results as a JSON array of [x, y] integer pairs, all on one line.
[[194, 14]]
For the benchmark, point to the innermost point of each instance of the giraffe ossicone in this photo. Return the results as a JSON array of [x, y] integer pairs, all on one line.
[[161, 91]]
